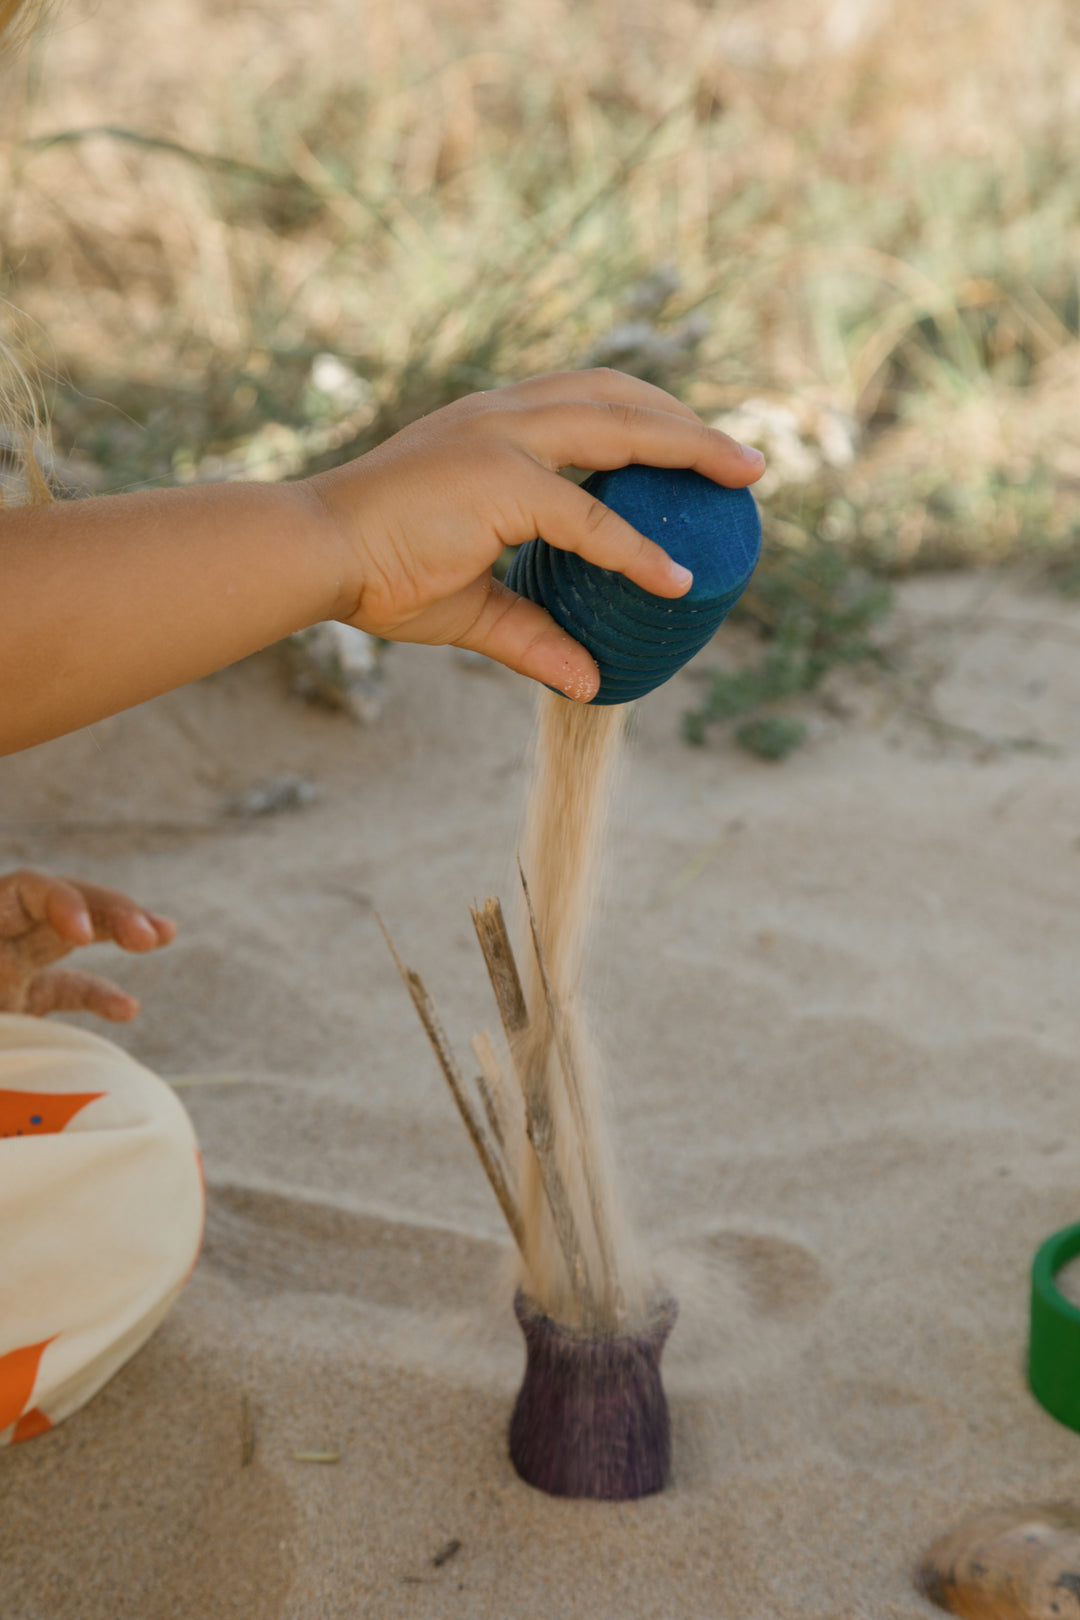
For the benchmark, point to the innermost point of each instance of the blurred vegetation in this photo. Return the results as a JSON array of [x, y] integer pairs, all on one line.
[[772, 736], [817, 611], [264, 246]]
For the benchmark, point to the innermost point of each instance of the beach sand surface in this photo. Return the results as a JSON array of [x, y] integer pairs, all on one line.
[[837, 1000]]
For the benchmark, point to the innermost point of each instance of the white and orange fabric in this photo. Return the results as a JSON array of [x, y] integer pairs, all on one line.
[[101, 1215]]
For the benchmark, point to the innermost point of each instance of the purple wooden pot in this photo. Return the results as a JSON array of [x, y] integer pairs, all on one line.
[[591, 1418]]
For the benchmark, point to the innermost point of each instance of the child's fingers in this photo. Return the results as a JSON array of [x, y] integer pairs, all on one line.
[[524, 637], [115, 916], [572, 520], [164, 927], [41, 905], [61, 990], [603, 384], [30, 899], [614, 433]]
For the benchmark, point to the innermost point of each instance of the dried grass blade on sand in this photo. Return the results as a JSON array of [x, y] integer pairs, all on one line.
[[491, 1086], [435, 1033]]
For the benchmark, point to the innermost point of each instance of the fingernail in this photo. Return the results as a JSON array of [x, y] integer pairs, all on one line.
[[83, 925], [680, 575], [752, 455]]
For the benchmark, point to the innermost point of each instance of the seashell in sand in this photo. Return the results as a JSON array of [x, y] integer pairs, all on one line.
[[1019, 1563]]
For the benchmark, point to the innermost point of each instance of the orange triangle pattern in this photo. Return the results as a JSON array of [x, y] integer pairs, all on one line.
[[40, 1113], [30, 1425], [18, 1375]]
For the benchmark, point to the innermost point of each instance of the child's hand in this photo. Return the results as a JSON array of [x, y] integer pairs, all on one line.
[[108, 602], [42, 918], [426, 514]]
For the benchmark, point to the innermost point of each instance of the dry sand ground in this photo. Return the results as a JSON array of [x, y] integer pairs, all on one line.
[[839, 1001]]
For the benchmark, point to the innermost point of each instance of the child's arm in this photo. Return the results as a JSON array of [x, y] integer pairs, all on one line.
[[107, 602]]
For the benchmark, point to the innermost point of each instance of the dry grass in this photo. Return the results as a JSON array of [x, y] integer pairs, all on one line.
[[870, 208]]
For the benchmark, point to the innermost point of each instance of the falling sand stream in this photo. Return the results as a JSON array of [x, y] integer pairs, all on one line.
[[578, 1262], [590, 1419]]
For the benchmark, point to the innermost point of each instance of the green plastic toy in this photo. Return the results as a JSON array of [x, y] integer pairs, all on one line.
[[1054, 1354]]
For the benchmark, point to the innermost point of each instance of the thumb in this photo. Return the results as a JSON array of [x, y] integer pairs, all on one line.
[[523, 636]]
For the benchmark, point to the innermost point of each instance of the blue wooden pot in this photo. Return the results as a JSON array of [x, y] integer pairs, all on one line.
[[640, 640]]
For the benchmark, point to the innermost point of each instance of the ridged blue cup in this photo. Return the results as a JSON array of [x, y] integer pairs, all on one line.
[[640, 640]]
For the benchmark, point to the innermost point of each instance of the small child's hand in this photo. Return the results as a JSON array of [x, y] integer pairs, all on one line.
[[425, 515], [42, 919]]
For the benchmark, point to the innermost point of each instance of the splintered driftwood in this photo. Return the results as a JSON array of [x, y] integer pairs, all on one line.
[[530, 1058]]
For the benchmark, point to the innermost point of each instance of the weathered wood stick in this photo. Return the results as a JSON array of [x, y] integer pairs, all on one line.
[[498, 953], [567, 1061], [490, 1085], [494, 939], [435, 1033], [540, 1129]]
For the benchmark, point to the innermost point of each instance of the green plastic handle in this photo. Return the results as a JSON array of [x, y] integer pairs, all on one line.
[[1054, 1352]]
